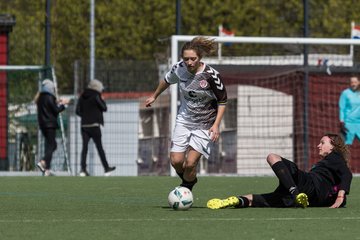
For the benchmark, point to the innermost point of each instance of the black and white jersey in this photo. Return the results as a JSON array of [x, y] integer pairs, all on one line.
[[200, 95]]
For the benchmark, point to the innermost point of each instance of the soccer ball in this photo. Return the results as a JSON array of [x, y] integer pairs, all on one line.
[[180, 198]]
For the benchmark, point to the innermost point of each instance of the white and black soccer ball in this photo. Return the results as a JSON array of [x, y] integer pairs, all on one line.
[[180, 198]]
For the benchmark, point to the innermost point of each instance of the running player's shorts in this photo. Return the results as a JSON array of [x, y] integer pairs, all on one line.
[[185, 136]]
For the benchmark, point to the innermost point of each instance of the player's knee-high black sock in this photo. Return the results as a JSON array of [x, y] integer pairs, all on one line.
[[243, 202], [285, 177], [187, 184], [181, 175]]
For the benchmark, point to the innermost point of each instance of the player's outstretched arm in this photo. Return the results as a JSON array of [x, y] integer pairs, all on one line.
[[160, 88], [339, 200]]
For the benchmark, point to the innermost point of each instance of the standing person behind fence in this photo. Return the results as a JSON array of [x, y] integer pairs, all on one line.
[[203, 101], [349, 111], [48, 109], [90, 108]]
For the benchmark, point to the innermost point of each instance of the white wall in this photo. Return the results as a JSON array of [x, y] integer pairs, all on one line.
[[264, 125]]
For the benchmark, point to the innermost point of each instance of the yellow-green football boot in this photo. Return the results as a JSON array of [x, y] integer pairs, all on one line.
[[302, 200], [216, 203]]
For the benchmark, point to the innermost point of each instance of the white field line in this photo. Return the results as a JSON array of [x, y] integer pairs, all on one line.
[[172, 220]]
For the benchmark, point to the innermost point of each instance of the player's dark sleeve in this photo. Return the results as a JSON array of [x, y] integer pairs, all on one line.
[[346, 177], [218, 87], [342, 172]]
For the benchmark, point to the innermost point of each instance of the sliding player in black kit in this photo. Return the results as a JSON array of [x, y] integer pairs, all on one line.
[[325, 185]]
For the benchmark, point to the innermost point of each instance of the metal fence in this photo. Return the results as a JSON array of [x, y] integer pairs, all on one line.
[[264, 114]]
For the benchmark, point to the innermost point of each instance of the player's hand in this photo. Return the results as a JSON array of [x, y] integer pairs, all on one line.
[[149, 101], [214, 133], [337, 203]]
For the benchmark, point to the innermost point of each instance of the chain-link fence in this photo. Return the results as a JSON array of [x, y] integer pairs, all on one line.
[[265, 107]]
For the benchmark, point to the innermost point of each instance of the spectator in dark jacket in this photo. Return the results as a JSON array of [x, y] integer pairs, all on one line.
[[48, 109], [90, 108]]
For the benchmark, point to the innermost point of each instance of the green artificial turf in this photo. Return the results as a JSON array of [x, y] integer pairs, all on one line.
[[136, 208]]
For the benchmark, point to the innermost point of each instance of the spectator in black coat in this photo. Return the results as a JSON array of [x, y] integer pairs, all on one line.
[[48, 109], [90, 108]]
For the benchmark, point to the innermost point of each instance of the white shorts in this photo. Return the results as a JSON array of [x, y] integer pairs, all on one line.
[[184, 136]]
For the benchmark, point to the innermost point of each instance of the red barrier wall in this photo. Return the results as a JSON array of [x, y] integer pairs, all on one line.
[[3, 98]]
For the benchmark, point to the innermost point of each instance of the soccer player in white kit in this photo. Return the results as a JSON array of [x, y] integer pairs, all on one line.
[[203, 100]]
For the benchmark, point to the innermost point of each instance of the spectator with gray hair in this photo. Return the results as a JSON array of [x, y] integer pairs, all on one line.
[[90, 108]]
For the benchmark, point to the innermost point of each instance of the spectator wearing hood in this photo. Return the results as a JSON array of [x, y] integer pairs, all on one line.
[[48, 109], [90, 109]]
